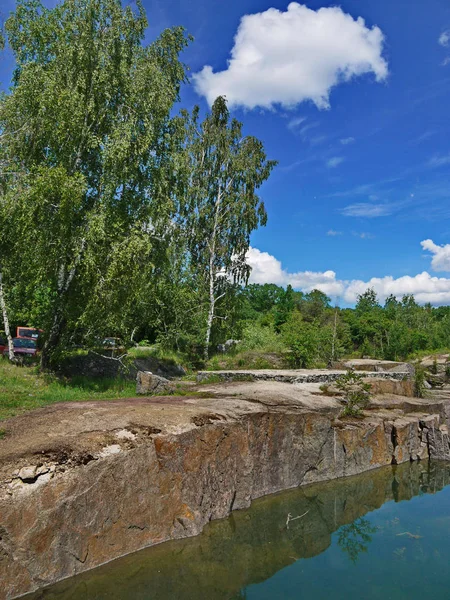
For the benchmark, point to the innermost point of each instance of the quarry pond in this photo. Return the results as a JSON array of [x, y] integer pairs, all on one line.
[[382, 534]]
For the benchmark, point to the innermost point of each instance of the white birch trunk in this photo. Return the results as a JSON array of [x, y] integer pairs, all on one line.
[[6, 321], [212, 275]]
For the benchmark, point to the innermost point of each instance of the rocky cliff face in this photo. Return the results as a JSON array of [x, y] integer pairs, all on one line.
[[255, 543], [110, 479]]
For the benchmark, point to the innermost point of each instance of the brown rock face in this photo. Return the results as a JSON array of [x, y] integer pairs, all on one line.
[[117, 477]]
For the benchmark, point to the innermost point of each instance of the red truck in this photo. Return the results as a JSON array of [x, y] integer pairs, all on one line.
[[25, 342], [22, 347]]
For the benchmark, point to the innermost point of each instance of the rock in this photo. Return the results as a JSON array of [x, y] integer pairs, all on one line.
[[150, 384], [242, 447], [42, 470], [427, 385], [435, 380], [28, 474], [402, 368], [391, 386]]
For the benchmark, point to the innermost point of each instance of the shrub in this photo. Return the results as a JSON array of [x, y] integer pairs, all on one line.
[[434, 367], [302, 340], [356, 392], [419, 382], [261, 338]]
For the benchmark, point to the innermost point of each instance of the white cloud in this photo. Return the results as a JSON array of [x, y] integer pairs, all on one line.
[[444, 38], [369, 211], [439, 160], [363, 235], [333, 233], [294, 123], [267, 269], [347, 141], [290, 57], [441, 255], [425, 287], [334, 162]]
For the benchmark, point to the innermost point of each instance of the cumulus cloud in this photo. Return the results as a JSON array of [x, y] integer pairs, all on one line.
[[267, 269], [333, 233], [347, 141], [294, 56], [444, 38], [425, 287], [369, 211], [441, 255], [334, 162]]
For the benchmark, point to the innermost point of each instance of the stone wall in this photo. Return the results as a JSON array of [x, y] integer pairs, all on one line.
[[295, 376]]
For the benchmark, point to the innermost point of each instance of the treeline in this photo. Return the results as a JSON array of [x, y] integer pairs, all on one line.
[[309, 331], [120, 215]]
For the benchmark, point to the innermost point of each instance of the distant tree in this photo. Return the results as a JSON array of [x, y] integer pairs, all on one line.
[[367, 301], [314, 304], [284, 307]]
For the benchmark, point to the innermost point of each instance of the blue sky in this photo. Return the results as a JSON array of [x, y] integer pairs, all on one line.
[[355, 112]]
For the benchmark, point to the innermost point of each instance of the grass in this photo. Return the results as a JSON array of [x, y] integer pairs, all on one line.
[[158, 353], [248, 359], [23, 388]]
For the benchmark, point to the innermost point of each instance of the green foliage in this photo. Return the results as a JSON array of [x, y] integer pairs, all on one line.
[[301, 339], [261, 338], [356, 392]]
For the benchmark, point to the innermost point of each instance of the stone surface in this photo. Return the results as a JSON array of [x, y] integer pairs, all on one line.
[[192, 459], [148, 383]]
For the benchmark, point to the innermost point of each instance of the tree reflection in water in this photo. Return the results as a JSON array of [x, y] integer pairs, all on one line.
[[355, 538]]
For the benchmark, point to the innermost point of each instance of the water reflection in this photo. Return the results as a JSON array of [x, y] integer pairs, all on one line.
[[355, 538], [252, 545]]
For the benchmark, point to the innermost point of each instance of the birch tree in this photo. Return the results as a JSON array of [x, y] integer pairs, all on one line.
[[5, 318], [222, 207], [86, 141]]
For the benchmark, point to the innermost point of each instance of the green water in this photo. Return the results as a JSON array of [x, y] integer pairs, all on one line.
[[383, 534]]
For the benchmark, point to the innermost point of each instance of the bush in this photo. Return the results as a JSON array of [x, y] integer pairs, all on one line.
[[261, 338], [356, 392], [301, 338]]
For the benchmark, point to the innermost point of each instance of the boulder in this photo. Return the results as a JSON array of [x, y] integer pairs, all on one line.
[[150, 384]]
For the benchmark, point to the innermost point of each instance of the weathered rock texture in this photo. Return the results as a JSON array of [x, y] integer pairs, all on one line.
[[117, 477], [255, 543], [150, 384]]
